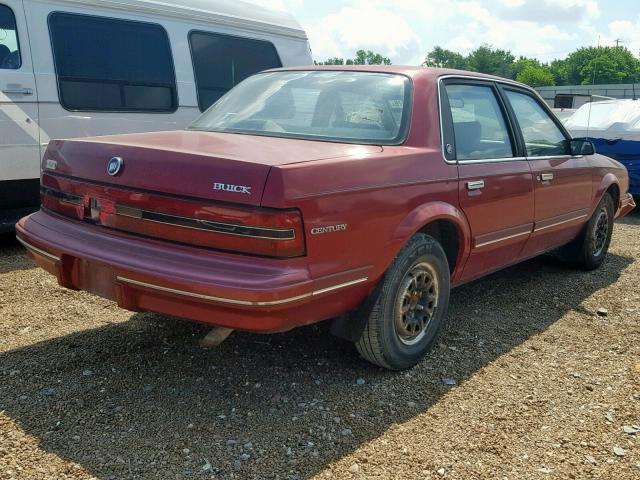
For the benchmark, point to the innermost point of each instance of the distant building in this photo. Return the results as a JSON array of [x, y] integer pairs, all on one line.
[[560, 97]]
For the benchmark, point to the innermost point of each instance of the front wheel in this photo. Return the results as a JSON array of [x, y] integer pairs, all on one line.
[[411, 307], [589, 250]]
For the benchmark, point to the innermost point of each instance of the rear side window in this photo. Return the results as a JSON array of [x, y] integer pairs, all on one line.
[[106, 64], [222, 61], [542, 137], [478, 122], [9, 49]]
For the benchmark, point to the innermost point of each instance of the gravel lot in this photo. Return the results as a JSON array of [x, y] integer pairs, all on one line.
[[544, 387]]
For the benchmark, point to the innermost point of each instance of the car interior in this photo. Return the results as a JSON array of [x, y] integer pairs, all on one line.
[[9, 53]]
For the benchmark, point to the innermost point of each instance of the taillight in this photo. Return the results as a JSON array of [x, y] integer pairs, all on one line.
[[251, 230]]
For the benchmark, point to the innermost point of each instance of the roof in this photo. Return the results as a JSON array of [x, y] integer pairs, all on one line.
[[234, 13], [410, 71]]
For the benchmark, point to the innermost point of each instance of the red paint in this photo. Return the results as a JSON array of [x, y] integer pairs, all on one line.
[[382, 194]]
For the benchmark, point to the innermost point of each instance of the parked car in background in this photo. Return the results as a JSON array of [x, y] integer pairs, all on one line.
[[75, 68], [614, 128], [361, 194], [563, 113]]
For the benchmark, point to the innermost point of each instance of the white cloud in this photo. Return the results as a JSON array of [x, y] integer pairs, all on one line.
[[406, 30], [364, 25]]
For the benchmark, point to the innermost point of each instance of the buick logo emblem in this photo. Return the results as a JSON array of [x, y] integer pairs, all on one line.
[[114, 166]]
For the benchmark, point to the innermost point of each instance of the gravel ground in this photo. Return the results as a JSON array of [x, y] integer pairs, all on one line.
[[529, 382]]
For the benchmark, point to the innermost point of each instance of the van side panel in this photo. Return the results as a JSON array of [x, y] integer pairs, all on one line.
[[19, 135]]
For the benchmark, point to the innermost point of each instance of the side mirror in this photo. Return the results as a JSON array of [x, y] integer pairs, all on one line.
[[581, 146]]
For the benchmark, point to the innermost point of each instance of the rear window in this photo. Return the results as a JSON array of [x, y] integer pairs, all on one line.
[[353, 107], [222, 61], [106, 64]]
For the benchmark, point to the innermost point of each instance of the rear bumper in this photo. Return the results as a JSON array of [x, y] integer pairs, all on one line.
[[626, 205], [233, 291]]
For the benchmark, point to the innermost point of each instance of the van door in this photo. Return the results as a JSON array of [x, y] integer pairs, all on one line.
[[495, 184], [19, 131]]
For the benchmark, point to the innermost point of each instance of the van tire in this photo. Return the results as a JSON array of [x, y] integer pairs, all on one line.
[[590, 248], [418, 284]]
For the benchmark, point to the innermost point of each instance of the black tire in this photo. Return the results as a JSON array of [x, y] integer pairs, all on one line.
[[590, 248], [390, 338]]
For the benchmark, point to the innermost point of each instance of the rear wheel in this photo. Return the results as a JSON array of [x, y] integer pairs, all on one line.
[[589, 250], [411, 306]]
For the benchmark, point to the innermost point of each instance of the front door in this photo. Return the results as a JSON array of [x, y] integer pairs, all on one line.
[[495, 185], [563, 183], [19, 131]]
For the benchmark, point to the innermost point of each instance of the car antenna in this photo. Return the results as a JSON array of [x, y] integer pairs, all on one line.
[[593, 83]]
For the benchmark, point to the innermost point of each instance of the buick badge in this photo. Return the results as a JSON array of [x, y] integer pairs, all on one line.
[[114, 166]]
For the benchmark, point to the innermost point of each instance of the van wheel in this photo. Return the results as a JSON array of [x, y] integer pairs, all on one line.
[[590, 248], [411, 307]]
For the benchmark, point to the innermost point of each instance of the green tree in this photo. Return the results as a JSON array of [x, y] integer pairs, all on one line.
[[485, 59], [523, 62], [535, 76], [558, 69], [601, 65], [332, 61], [443, 58], [363, 57], [370, 58]]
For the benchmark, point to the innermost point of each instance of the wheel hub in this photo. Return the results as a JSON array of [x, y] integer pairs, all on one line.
[[601, 232], [416, 303]]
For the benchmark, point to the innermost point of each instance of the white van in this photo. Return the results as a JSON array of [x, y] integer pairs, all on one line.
[[74, 68]]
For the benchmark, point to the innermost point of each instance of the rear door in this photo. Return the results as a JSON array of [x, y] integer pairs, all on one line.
[[496, 185], [19, 132], [563, 184]]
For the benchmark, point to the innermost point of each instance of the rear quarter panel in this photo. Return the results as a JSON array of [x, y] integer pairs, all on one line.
[[605, 173], [373, 195]]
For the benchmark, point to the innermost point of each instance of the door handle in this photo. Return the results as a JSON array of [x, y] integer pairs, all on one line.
[[18, 91], [546, 177], [475, 185]]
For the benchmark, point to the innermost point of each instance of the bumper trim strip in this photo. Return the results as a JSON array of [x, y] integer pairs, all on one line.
[[28, 246], [232, 301], [574, 219]]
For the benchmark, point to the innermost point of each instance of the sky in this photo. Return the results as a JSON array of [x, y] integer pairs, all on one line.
[[406, 30]]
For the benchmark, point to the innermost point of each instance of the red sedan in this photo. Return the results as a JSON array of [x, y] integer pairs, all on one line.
[[357, 194]]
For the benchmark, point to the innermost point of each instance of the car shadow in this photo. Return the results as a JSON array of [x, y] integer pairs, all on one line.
[[13, 255], [141, 399]]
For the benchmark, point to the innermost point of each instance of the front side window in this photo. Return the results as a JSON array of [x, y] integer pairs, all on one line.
[[9, 49], [106, 64], [542, 137], [479, 125], [352, 107], [220, 62]]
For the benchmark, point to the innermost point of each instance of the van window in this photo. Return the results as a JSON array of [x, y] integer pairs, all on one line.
[[106, 64], [222, 61], [9, 49]]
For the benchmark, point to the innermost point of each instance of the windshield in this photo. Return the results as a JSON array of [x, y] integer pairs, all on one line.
[[353, 107]]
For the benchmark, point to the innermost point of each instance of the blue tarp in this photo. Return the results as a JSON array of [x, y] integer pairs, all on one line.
[[626, 152]]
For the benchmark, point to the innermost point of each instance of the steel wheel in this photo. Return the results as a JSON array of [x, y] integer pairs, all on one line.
[[601, 232], [416, 303]]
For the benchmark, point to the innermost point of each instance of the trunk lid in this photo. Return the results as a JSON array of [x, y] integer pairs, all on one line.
[[213, 166]]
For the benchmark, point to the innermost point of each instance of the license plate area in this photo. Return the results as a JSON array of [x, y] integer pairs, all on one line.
[[94, 278]]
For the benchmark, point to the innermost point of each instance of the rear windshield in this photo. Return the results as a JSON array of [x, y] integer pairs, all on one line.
[[352, 107]]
